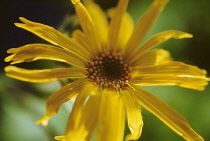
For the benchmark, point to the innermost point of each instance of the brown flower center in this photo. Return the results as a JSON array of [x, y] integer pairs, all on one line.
[[109, 71]]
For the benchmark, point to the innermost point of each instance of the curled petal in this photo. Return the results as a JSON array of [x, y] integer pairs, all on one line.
[[153, 57], [83, 118], [53, 36], [133, 110], [63, 95], [172, 73], [158, 39], [32, 52], [166, 114], [45, 75], [144, 25]]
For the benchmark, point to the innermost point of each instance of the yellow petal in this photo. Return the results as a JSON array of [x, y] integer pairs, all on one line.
[[62, 138], [91, 111], [115, 24], [53, 36], [45, 75], [172, 73], [154, 57], [144, 25], [80, 37], [158, 39], [126, 28], [63, 95], [83, 118], [32, 52], [88, 26], [166, 114], [134, 118], [100, 19], [111, 117]]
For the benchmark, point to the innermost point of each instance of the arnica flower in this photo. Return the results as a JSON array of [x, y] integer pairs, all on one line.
[[110, 67]]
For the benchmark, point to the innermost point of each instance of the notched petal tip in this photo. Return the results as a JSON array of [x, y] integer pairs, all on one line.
[[28, 23], [25, 23], [75, 1], [24, 20]]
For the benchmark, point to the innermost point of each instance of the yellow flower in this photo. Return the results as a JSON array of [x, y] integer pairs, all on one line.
[[110, 64]]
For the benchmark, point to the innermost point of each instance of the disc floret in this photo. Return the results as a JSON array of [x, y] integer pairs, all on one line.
[[109, 70]]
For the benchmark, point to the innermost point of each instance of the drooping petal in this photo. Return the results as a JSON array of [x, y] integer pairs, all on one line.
[[166, 114], [154, 57], [32, 52], [100, 19], [53, 36], [158, 39], [63, 95], [88, 26], [172, 73], [45, 75], [111, 117], [83, 118], [134, 117], [144, 25], [115, 24], [126, 28]]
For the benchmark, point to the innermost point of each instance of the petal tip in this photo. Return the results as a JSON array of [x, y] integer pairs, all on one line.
[[59, 137], [75, 1], [188, 35], [181, 35], [8, 59], [22, 19], [8, 68], [163, 2], [43, 121], [17, 24]]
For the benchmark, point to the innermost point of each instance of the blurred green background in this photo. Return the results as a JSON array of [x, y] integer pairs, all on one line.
[[23, 103]]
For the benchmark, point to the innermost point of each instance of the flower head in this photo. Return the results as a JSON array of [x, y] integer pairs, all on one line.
[[110, 66]]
